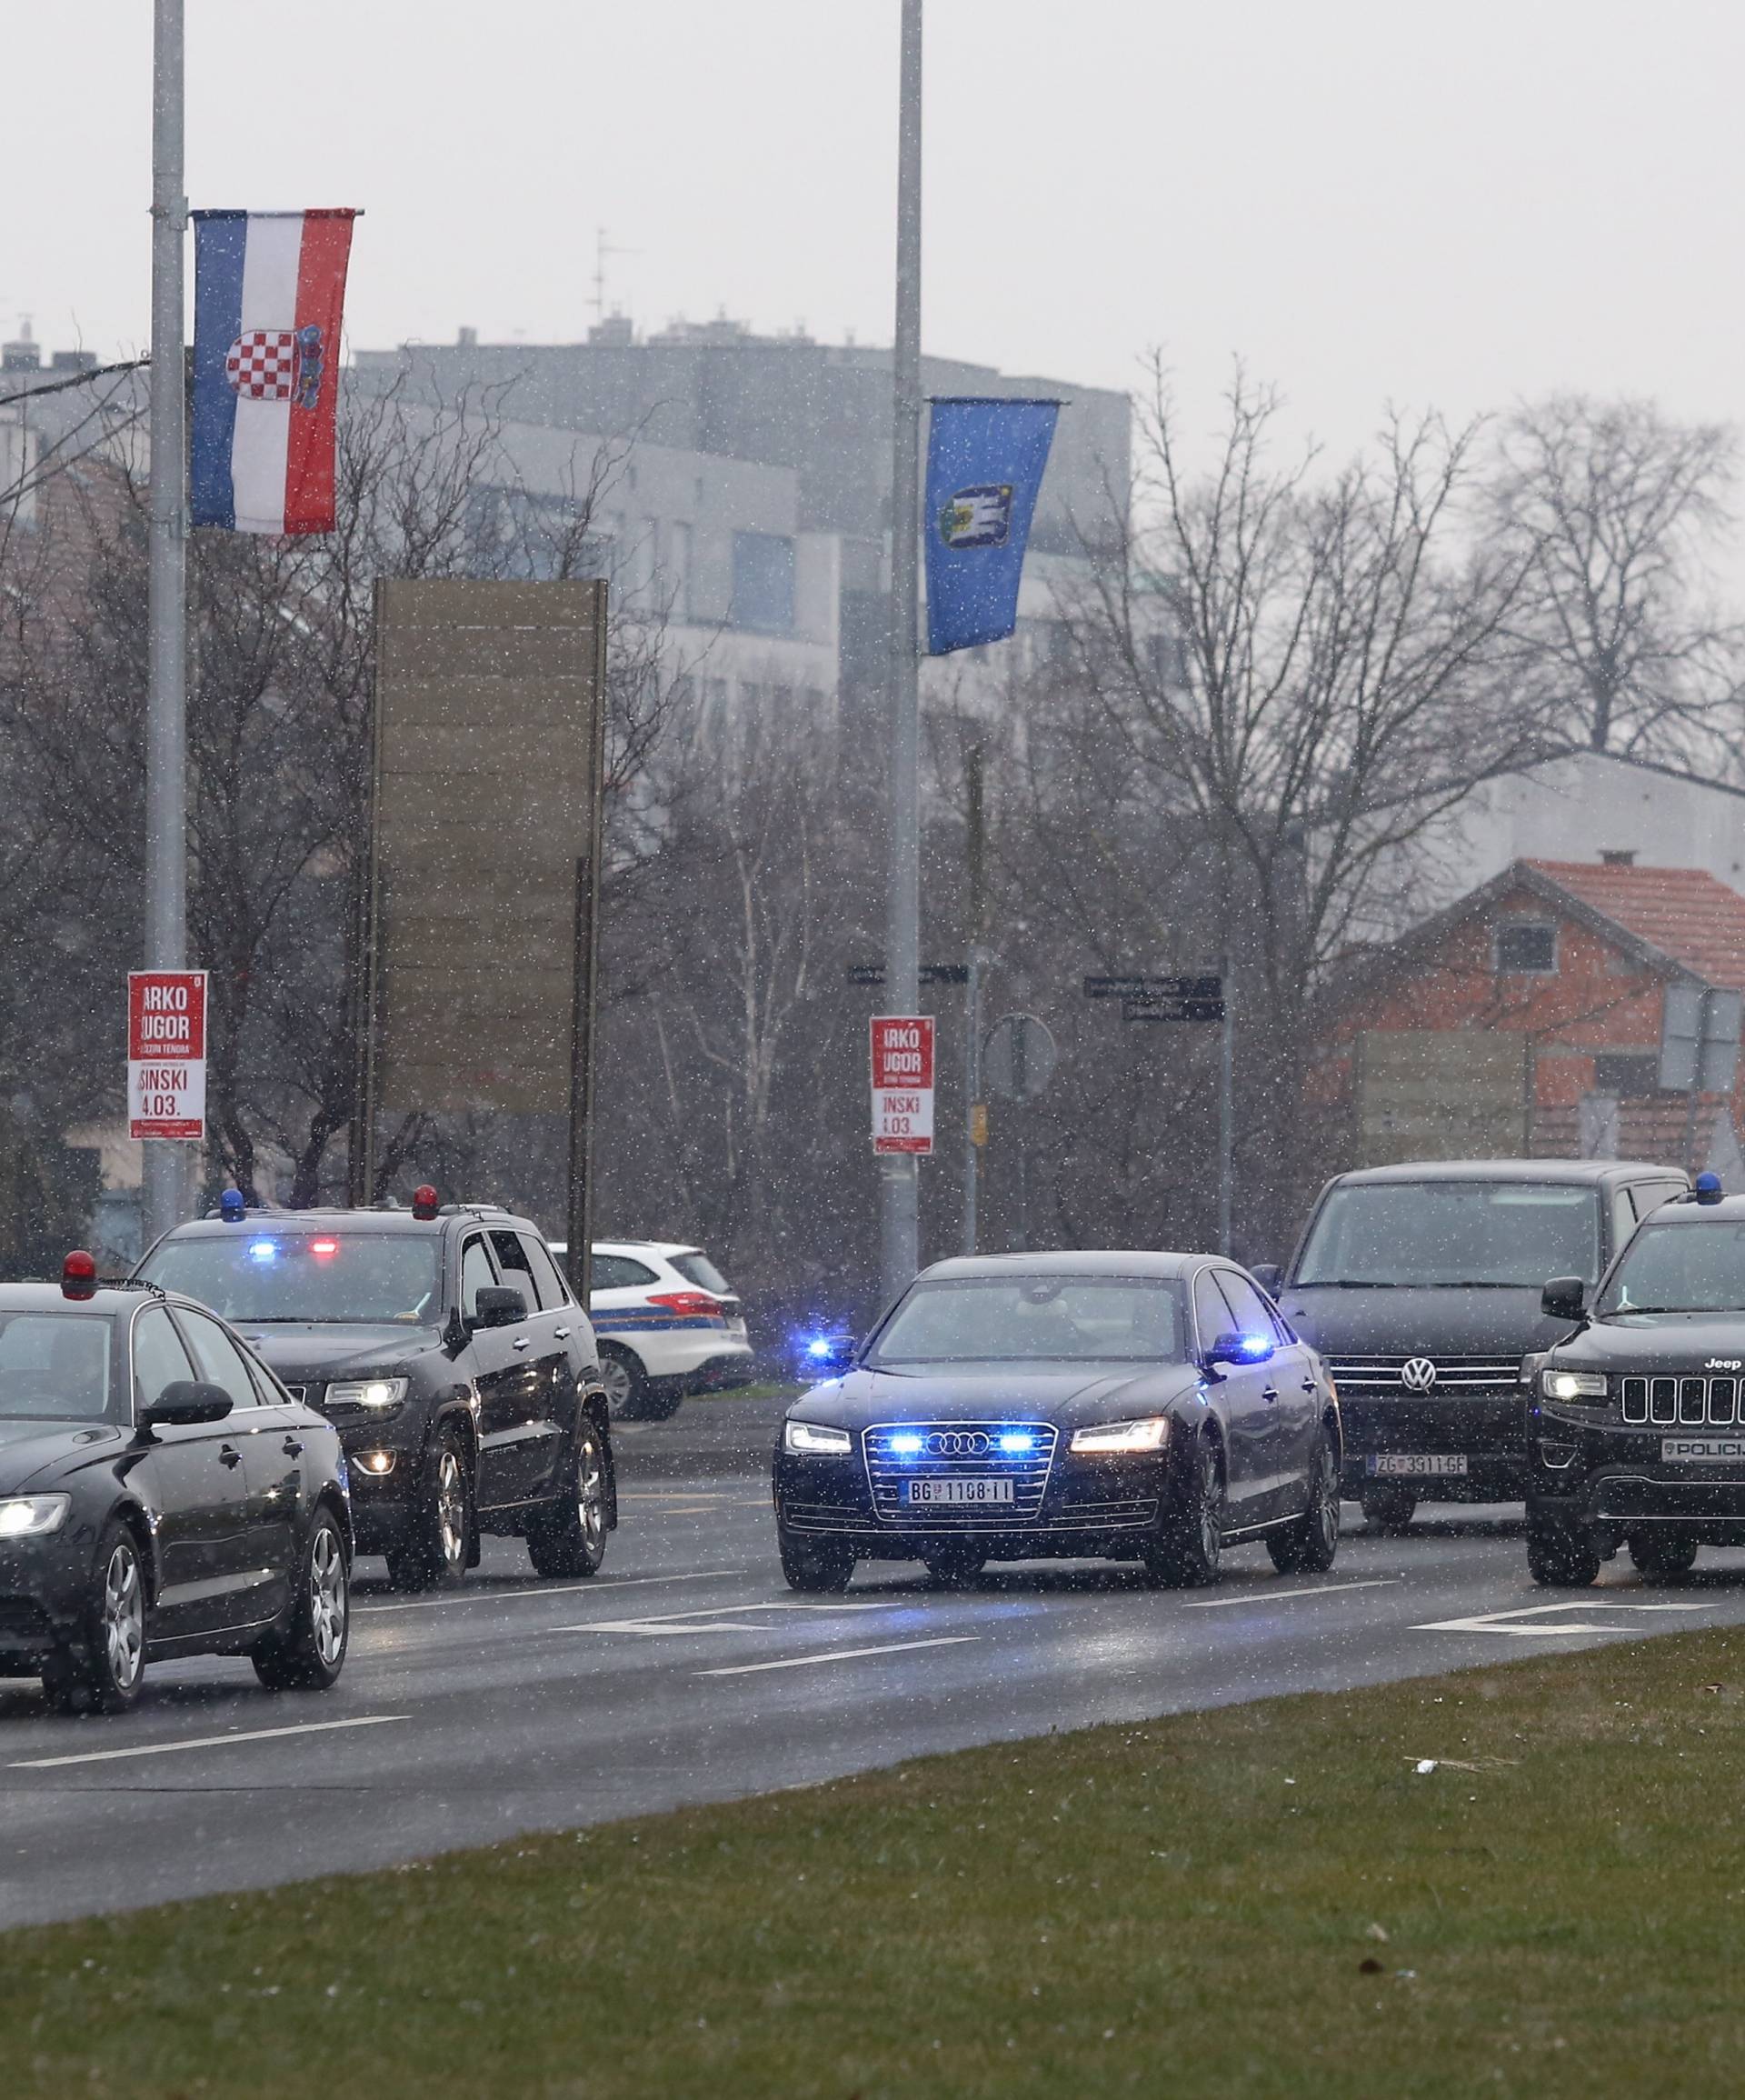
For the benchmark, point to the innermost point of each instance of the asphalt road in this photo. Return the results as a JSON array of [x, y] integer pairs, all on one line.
[[687, 1672]]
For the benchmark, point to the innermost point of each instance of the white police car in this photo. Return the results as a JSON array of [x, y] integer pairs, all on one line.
[[667, 1322]]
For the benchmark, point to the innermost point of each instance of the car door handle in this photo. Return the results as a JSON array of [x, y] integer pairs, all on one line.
[[563, 1334], [293, 1447], [1309, 1385], [229, 1456], [1269, 1393], [521, 1341]]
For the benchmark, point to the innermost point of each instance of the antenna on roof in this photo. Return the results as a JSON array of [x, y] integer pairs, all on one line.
[[603, 247]]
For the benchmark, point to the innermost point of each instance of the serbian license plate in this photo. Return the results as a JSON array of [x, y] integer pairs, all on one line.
[[1702, 1451], [1416, 1464], [957, 1491]]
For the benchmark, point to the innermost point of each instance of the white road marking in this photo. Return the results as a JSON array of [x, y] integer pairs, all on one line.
[[205, 1742], [839, 1655], [595, 1586], [718, 1622], [1549, 1624], [1285, 1596]]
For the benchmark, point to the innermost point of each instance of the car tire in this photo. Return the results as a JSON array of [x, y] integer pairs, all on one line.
[[307, 1655], [1561, 1555], [1660, 1560], [631, 1395], [1189, 1550], [815, 1567], [570, 1539], [1389, 1508], [1311, 1545], [103, 1673], [955, 1566], [433, 1554]]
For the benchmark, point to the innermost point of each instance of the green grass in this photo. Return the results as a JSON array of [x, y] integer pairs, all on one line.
[[1266, 1900]]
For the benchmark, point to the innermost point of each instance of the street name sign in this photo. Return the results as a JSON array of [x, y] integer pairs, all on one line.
[[902, 1083], [166, 1054]]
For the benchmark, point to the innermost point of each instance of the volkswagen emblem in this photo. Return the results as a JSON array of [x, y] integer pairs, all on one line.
[[1418, 1375], [959, 1443]]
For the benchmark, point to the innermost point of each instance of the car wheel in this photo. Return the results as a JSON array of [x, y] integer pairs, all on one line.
[[103, 1674], [1310, 1545], [630, 1397], [439, 1531], [1561, 1555], [1189, 1550], [308, 1655], [1388, 1508], [1662, 1559], [571, 1540], [954, 1565], [814, 1565]]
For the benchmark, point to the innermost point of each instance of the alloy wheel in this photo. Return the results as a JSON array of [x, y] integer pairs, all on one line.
[[1325, 1513], [124, 1616], [590, 1489], [451, 1508], [1212, 1505], [614, 1376], [328, 1599]]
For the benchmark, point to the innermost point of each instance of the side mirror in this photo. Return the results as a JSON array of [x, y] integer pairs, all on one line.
[[1564, 1298], [184, 1402], [499, 1306], [1268, 1275], [1234, 1348]]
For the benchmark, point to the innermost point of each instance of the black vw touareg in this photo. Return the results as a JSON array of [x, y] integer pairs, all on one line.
[[446, 1348], [1419, 1285], [1636, 1418]]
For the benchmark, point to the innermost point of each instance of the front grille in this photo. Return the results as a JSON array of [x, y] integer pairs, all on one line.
[[958, 1451], [1453, 1374], [1681, 1402]]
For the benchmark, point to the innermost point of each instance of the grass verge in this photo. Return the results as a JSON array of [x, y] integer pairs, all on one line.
[[1267, 1900]]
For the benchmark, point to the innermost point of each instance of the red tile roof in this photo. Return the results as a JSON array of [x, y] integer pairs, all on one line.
[[1683, 912]]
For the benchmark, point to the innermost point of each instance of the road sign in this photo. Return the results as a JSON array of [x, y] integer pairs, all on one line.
[[902, 1083], [1151, 1008], [1699, 1039], [930, 974], [166, 1054], [1020, 1057], [1154, 988]]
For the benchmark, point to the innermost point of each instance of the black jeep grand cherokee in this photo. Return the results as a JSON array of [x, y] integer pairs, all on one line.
[[1636, 1420], [447, 1350]]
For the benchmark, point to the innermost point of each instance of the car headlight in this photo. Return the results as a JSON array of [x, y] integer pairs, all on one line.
[[1572, 1384], [32, 1515], [367, 1393], [816, 1440], [1152, 1434]]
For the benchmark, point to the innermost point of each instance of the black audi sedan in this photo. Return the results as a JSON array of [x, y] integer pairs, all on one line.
[[1636, 1417], [1153, 1407], [449, 1352], [161, 1494]]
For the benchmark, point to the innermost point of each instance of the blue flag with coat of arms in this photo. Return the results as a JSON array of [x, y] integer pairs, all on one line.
[[986, 457]]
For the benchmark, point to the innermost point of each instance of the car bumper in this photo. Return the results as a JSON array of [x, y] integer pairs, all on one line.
[[1486, 1431], [1619, 1482], [693, 1360], [46, 1588], [1095, 1506]]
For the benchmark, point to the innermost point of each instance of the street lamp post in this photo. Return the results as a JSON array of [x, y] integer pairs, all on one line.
[[900, 1183]]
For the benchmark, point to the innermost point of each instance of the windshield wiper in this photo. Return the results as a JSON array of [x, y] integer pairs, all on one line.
[[1623, 1312]]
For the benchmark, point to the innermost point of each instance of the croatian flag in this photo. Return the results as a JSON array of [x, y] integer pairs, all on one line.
[[268, 290]]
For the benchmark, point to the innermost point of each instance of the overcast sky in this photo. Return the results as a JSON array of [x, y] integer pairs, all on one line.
[[1368, 202]]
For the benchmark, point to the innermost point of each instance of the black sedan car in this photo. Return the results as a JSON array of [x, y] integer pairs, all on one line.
[[161, 1494], [446, 1348], [1636, 1418], [1152, 1407]]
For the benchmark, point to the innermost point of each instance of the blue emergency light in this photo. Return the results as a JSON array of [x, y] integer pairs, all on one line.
[[1708, 1188], [232, 1207]]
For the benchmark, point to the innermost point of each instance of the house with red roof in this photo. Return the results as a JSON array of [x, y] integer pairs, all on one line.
[[1529, 1019]]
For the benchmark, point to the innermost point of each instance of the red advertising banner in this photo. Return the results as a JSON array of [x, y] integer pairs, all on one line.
[[902, 1083], [166, 1054]]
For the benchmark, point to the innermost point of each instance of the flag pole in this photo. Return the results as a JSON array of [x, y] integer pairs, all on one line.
[[166, 935], [899, 1232]]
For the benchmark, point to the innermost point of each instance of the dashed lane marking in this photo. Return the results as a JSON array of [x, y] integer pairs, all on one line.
[[838, 1656], [596, 1587], [1548, 1622], [1265, 1597], [205, 1742]]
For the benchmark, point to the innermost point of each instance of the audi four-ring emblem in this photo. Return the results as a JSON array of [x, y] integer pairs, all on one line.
[[959, 1443], [1419, 1374]]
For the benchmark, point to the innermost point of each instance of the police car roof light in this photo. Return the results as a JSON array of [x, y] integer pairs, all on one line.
[[79, 1275], [1707, 1188], [231, 1206], [424, 1201]]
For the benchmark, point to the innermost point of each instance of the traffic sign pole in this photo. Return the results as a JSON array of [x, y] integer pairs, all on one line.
[[975, 1114]]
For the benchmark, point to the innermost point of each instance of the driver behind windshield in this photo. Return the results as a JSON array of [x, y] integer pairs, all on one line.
[[54, 1367]]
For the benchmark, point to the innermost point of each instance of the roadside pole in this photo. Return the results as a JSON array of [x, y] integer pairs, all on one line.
[[166, 931], [900, 1222], [975, 1110], [1226, 1112]]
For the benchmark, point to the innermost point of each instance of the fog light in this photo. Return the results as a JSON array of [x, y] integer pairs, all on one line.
[[1560, 1457], [376, 1462]]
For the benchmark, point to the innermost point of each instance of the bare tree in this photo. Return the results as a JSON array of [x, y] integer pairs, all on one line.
[[1618, 508]]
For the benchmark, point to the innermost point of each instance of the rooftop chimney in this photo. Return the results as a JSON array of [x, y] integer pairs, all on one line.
[[468, 339], [1617, 856]]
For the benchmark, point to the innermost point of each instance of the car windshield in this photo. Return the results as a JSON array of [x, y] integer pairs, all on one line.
[[327, 1276], [1437, 1235], [1033, 1319], [1681, 1269], [54, 1367]]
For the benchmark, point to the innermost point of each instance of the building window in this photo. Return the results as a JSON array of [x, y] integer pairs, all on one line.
[[1626, 1074], [1525, 947], [763, 582]]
